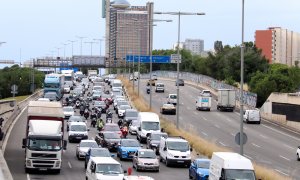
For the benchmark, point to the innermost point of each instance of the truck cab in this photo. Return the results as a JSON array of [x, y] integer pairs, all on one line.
[[148, 122]]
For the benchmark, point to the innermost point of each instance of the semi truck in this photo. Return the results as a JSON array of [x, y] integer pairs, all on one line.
[[226, 99], [92, 73], [203, 103], [54, 83], [44, 139]]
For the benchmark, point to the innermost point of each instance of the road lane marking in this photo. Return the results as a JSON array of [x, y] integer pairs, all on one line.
[[281, 172], [249, 157], [289, 146], [265, 137], [237, 113], [232, 134], [70, 165], [227, 119], [204, 118], [284, 158], [255, 145], [217, 126], [204, 133], [222, 143], [28, 177], [195, 112], [280, 132]]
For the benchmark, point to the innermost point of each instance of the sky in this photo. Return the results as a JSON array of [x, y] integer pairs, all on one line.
[[36, 28]]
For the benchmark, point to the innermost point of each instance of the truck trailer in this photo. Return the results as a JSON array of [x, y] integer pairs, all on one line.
[[226, 99]]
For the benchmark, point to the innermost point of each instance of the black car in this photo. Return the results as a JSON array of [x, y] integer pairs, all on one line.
[[153, 140], [180, 82], [96, 152], [110, 140], [100, 105]]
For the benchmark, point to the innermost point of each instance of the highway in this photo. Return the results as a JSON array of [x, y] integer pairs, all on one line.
[[268, 144]]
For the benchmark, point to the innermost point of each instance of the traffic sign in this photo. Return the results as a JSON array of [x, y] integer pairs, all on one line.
[[14, 87], [237, 138], [175, 58], [146, 59]]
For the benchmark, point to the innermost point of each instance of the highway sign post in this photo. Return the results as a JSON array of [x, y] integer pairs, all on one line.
[[175, 58], [146, 59], [14, 89], [238, 139]]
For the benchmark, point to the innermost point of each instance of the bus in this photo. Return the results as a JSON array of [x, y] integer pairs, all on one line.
[[54, 83]]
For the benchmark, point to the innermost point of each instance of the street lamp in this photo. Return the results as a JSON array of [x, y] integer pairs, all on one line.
[[65, 44], [178, 53], [91, 42], [72, 45], [57, 51], [100, 41], [80, 37]]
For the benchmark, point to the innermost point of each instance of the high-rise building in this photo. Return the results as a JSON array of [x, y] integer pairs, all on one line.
[[196, 46], [128, 30], [279, 45]]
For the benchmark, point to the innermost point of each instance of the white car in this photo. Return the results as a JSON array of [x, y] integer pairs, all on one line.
[[138, 178], [83, 147], [68, 111], [133, 127], [67, 88], [172, 99], [298, 153], [205, 93], [122, 109]]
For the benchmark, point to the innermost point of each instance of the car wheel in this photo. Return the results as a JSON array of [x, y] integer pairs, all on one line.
[[167, 163], [137, 168], [298, 158], [86, 178], [190, 177], [85, 165]]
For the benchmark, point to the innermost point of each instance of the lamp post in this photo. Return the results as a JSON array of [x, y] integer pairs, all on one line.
[[80, 37], [57, 51], [178, 53], [65, 44], [91, 42], [72, 45], [100, 42]]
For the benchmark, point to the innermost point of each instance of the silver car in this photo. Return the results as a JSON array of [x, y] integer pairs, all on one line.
[[83, 147], [145, 159]]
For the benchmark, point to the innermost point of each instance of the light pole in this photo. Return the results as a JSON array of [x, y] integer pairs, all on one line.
[[100, 41], [65, 44], [80, 37], [178, 53], [242, 84], [91, 42], [72, 45], [57, 51]]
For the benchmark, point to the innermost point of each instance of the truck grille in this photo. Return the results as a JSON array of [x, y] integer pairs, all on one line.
[[43, 162], [43, 155], [42, 166]]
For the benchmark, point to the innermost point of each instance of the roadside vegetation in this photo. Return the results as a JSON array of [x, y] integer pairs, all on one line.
[[224, 65], [17, 98], [21, 77], [199, 144]]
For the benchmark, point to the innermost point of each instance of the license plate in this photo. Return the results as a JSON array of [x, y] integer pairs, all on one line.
[[43, 169], [180, 161], [78, 137]]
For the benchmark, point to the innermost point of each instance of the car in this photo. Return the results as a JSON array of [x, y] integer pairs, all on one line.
[[168, 109], [154, 76], [106, 98], [122, 109], [159, 87], [133, 126], [112, 127], [180, 82], [153, 140], [135, 177], [77, 131], [130, 114], [96, 94], [67, 88], [68, 111], [120, 103], [100, 106], [127, 148], [172, 99], [96, 152], [199, 169], [110, 140], [205, 93], [298, 153], [75, 118], [52, 96], [83, 147], [252, 116], [145, 159], [151, 81]]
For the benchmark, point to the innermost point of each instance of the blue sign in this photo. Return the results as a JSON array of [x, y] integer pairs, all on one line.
[[146, 59]]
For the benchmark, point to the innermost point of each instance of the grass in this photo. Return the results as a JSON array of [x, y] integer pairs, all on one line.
[[17, 98], [199, 144]]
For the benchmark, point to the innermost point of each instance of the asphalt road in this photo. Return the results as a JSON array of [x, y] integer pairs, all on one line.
[[72, 169], [268, 144]]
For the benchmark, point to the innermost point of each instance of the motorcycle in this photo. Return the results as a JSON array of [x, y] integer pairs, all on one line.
[[93, 122], [148, 89], [108, 120], [86, 113], [77, 104], [124, 131]]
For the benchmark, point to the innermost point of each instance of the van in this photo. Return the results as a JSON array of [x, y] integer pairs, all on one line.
[[175, 151], [252, 116], [159, 87], [203, 103], [104, 168], [116, 83], [77, 131], [229, 165], [148, 122]]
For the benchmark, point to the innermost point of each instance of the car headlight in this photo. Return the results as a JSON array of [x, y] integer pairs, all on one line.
[[156, 163], [200, 174], [140, 163], [188, 156], [28, 163]]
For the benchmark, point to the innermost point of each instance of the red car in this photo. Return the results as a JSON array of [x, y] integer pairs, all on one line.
[[107, 98]]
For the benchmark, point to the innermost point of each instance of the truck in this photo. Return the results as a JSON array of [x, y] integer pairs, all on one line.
[[203, 103], [69, 74], [54, 83], [92, 73], [226, 99], [229, 165], [44, 138]]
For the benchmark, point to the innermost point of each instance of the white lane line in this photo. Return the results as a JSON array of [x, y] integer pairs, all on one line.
[[227, 119], [195, 112], [204, 118], [204, 133], [70, 165], [237, 113], [255, 145], [284, 158], [217, 126], [222, 143], [232, 134], [28, 177], [281, 172], [280, 132], [290, 147], [265, 137], [249, 157]]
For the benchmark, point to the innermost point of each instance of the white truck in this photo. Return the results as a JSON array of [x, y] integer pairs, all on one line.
[[44, 139], [226, 99], [203, 103], [92, 73], [229, 165]]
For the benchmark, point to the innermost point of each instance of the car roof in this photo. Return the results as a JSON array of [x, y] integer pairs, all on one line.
[[175, 139], [111, 124], [104, 160], [77, 123], [150, 150], [88, 140]]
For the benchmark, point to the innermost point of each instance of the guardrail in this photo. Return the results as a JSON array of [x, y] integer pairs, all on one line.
[[249, 98]]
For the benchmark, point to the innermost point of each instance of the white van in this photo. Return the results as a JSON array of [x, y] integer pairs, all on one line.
[[148, 122], [229, 165], [203, 103], [252, 116], [104, 168], [175, 150], [77, 131], [116, 83]]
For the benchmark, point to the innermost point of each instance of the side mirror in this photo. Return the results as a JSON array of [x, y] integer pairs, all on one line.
[[191, 149], [24, 143], [94, 169], [88, 129], [165, 148], [65, 145], [139, 128]]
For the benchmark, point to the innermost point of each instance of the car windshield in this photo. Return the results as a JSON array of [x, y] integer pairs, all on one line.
[[157, 136], [239, 174], [150, 125], [99, 103], [103, 152], [147, 154], [124, 107], [203, 164], [88, 144], [134, 123], [130, 143], [112, 128], [76, 118], [109, 169], [160, 85], [117, 85], [68, 109], [178, 146], [131, 114], [123, 103], [169, 105], [51, 85], [44, 145], [78, 128], [111, 136], [173, 96]]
